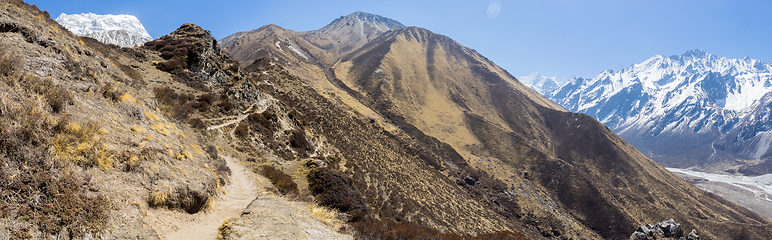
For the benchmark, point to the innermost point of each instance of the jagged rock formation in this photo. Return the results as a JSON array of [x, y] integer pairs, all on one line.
[[192, 54], [122, 30]]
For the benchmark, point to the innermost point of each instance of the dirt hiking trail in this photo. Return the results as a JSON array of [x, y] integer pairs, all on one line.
[[238, 194]]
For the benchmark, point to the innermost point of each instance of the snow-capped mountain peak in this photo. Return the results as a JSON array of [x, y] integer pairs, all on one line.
[[539, 83], [693, 94], [123, 30]]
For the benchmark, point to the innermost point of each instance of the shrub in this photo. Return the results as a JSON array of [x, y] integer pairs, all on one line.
[[197, 123], [111, 93], [263, 123], [166, 95], [183, 111], [9, 63], [59, 202], [36, 189], [179, 105], [298, 140], [259, 119], [333, 189], [241, 131], [371, 228], [179, 53], [58, 97], [281, 180], [131, 72], [207, 98], [225, 106], [80, 143]]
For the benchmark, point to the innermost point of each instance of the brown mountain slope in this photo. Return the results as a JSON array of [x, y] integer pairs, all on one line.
[[562, 174], [283, 46], [320, 48], [310, 54]]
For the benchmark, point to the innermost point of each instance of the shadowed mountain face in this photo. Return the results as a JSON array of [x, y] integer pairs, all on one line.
[[439, 130]]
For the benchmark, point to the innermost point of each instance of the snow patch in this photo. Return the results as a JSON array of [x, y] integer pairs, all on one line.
[[278, 45], [763, 143], [300, 53]]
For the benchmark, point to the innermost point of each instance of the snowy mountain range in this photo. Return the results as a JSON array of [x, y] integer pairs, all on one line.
[[539, 83], [121, 30], [696, 109]]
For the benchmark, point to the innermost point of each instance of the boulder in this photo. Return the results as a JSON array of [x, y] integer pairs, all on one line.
[[669, 229]]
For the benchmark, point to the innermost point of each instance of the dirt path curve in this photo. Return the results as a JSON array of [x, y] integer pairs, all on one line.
[[238, 194], [262, 106]]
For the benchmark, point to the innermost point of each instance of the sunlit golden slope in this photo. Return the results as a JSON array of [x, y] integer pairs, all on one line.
[[433, 82]]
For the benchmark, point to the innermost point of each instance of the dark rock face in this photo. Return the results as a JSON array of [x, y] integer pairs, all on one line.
[[470, 181], [669, 229]]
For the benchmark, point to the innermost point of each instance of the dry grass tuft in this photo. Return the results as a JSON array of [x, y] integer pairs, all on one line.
[[327, 216], [80, 143], [10, 63], [158, 198], [181, 197], [225, 230], [139, 129], [112, 93]]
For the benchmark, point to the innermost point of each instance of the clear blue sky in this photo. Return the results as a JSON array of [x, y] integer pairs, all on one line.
[[561, 38]]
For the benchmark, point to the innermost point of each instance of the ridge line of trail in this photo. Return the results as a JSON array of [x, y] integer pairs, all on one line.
[[238, 194]]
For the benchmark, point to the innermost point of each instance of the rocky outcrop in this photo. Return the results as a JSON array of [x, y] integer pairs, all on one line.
[[669, 229], [193, 56]]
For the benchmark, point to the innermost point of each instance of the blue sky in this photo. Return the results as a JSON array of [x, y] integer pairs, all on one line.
[[561, 38]]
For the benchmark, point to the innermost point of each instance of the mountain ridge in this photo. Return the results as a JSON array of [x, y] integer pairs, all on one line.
[[694, 99]]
